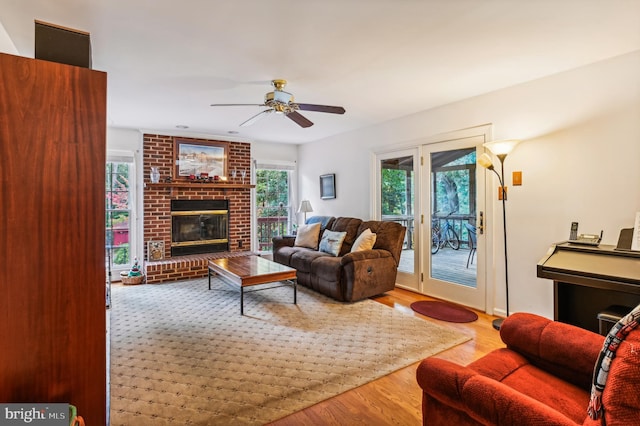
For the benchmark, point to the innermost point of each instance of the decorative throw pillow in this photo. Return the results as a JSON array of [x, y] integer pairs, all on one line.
[[332, 242], [365, 241], [307, 236]]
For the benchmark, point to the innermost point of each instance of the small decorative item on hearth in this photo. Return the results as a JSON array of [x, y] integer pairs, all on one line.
[[135, 276]]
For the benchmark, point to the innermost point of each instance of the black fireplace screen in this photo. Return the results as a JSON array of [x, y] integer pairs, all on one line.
[[199, 226], [208, 226]]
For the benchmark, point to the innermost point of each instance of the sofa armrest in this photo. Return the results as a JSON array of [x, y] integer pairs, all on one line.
[[367, 273], [485, 400], [282, 241], [561, 349]]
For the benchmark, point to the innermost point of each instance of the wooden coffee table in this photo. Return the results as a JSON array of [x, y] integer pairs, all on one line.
[[247, 271]]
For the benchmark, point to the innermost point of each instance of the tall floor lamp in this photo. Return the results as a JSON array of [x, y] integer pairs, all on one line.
[[500, 149]]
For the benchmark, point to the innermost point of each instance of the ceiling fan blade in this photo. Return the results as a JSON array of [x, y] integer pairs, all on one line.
[[299, 119], [256, 117], [322, 108], [238, 105]]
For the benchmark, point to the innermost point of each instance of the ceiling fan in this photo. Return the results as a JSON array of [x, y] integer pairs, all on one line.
[[281, 102]]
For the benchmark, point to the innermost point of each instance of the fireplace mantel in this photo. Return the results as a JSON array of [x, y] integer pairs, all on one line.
[[195, 185]]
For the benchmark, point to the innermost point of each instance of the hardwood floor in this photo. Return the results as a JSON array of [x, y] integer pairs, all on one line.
[[396, 399]]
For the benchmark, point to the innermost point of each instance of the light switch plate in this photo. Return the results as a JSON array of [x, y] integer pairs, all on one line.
[[517, 178]]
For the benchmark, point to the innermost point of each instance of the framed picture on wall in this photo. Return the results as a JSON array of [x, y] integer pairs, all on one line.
[[199, 158], [155, 250], [328, 186]]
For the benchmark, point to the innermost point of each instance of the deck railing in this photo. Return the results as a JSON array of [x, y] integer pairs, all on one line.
[[407, 222], [269, 227], [457, 221]]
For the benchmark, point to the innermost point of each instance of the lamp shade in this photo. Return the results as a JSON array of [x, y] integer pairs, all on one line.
[[501, 147], [485, 161], [305, 207]]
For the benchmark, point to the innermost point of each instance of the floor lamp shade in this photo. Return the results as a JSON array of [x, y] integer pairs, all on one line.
[[305, 207], [501, 147]]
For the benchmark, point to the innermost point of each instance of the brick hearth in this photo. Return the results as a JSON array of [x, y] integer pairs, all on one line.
[[185, 267], [158, 152]]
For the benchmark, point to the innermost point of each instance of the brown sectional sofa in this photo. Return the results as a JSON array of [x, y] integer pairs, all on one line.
[[350, 276]]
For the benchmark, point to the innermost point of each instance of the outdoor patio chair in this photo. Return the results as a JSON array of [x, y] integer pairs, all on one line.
[[471, 232]]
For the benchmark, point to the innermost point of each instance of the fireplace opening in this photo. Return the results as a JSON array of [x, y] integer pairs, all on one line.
[[199, 226]]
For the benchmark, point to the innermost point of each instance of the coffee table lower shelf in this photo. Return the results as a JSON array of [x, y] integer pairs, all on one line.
[[247, 271]]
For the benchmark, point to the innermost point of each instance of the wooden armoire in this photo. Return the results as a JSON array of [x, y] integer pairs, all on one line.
[[52, 235]]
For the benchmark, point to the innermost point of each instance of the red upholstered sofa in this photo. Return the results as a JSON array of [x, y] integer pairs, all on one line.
[[542, 377]]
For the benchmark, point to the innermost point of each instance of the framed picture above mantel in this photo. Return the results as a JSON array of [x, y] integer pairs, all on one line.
[[199, 158]]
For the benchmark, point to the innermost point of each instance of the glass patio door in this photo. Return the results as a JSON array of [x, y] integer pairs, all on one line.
[[396, 201], [452, 257]]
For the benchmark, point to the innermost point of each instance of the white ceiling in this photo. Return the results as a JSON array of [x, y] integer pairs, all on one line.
[[168, 60]]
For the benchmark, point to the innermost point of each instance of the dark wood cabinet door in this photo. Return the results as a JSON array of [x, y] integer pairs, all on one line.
[[52, 209]]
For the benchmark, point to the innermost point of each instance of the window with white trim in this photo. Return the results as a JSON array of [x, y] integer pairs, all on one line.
[[274, 202], [119, 215]]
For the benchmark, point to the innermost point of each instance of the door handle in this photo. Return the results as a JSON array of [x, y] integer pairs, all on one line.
[[481, 224]]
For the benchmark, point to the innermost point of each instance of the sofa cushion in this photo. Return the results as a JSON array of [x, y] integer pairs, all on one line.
[[308, 236], [538, 339], [349, 225], [302, 259], [515, 371], [283, 254], [327, 268], [331, 242], [365, 241], [326, 276]]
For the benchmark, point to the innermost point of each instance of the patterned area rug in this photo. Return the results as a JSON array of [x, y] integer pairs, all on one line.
[[183, 355]]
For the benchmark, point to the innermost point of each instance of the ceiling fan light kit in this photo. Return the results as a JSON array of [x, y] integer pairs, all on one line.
[[281, 102]]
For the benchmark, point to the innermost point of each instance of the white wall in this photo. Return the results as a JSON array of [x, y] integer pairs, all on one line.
[[6, 45], [580, 159], [127, 140]]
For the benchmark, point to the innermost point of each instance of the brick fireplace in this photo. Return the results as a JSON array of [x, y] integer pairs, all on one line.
[[158, 152]]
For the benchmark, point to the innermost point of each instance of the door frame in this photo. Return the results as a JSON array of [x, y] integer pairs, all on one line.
[[453, 291], [485, 240], [484, 253], [409, 281]]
